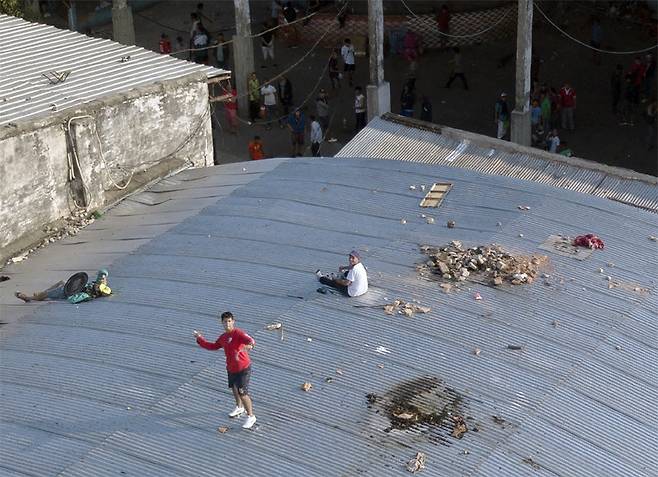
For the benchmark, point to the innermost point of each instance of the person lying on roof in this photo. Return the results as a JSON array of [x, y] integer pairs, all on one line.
[[353, 279], [75, 290]]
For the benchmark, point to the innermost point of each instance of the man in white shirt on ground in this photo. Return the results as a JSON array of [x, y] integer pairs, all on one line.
[[353, 280], [347, 52], [269, 99]]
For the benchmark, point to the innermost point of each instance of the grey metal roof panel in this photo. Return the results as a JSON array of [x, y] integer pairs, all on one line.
[[31, 49], [392, 138], [249, 250]]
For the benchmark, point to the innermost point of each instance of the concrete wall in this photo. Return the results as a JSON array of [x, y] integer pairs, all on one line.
[[126, 138]]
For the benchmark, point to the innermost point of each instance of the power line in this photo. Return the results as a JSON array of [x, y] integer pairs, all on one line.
[[590, 46], [470, 35]]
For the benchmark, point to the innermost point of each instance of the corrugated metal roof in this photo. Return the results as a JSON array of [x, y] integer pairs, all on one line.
[[27, 50], [118, 385], [392, 137]]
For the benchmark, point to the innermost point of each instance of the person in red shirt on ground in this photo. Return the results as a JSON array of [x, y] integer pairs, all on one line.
[[235, 343], [165, 44], [256, 149], [568, 106]]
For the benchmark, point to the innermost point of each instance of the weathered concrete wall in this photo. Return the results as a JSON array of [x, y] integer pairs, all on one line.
[[113, 142]]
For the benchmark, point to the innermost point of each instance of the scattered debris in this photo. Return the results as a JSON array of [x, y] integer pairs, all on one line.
[[447, 287], [459, 426], [476, 351], [531, 463], [451, 224], [466, 451], [19, 258], [380, 366], [653, 238], [381, 350], [371, 398], [412, 187], [454, 262], [222, 429], [422, 187], [309, 339], [499, 420], [589, 241], [339, 372], [405, 416], [627, 286], [417, 463], [273, 326], [555, 323], [523, 207], [403, 221], [430, 220], [405, 308], [306, 386], [4, 278], [521, 235], [477, 296], [328, 379], [618, 347], [499, 224], [515, 347]]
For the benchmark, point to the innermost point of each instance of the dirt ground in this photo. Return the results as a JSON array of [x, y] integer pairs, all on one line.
[[597, 137]]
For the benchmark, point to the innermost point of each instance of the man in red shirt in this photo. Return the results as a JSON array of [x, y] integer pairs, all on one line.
[[256, 149], [235, 343], [568, 106]]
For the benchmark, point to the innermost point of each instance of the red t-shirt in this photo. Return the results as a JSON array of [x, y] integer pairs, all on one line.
[[256, 151], [567, 97], [165, 46], [237, 358]]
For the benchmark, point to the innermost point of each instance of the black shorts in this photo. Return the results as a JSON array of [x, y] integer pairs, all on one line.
[[347, 67], [240, 381]]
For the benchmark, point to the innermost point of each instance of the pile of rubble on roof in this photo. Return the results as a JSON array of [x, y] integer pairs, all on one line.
[[455, 263]]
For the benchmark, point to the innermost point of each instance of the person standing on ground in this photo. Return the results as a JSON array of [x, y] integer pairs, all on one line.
[[253, 88], [627, 106], [316, 137], [347, 52], [290, 16], [568, 106], [553, 141], [457, 69], [334, 73], [649, 75], [426, 110], [353, 279], [297, 127], [443, 23], [545, 104], [267, 44], [501, 116], [236, 344], [616, 86], [200, 43], [359, 109], [231, 106], [597, 39], [650, 118], [407, 101], [269, 100], [637, 72], [285, 95], [222, 51], [256, 149], [165, 44], [535, 115], [323, 111]]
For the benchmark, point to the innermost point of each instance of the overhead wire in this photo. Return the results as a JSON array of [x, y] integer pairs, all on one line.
[[633, 52], [470, 35]]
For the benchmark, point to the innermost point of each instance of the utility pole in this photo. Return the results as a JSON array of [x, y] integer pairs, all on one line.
[[521, 128], [243, 52], [123, 28], [378, 91]]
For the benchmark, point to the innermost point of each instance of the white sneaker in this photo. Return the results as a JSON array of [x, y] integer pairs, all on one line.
[[318, 273], [251, 420], [238, 411]]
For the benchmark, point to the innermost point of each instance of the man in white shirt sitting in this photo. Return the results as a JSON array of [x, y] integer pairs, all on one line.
[[354, 279]]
